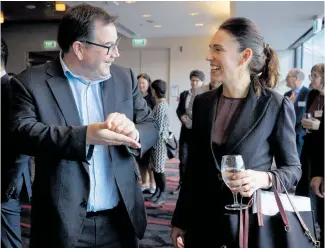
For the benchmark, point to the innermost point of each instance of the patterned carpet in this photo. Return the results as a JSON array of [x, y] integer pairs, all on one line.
[[158, 230]]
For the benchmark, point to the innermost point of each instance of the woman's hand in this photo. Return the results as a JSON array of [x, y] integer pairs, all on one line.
[[246, 182], [311, 124], [317, 184], [177, 236]]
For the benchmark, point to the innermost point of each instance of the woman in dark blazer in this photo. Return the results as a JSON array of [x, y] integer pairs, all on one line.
[[315, 106], [243, 116], [147, 177]]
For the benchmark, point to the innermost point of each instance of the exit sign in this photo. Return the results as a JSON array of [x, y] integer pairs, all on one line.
[[317, 26], [139, 42], [49, 44]]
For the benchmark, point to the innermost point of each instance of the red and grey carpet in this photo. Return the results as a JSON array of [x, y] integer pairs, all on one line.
[[158, 230]]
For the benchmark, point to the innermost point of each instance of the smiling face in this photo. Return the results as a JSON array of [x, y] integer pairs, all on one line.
[[94, 59], [224, 57], [143, 85]]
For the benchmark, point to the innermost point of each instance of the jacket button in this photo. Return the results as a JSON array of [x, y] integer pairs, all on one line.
[[83, 204]]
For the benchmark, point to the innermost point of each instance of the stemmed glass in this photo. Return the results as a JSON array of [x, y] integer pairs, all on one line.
[[306, 116], [230, 165]]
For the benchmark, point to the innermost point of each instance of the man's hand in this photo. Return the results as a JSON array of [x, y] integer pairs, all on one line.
[[317, 184], [184, 119], [177, 236], [120, 124], [98, 134]]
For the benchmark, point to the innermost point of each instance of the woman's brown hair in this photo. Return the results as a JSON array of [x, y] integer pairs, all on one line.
[[264, 66], [319, 69]]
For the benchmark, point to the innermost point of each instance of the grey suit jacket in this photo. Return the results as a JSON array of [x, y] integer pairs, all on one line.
[[264, 129], [47, 126]]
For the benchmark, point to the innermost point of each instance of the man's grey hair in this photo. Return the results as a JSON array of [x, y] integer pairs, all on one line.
[[297, 72]]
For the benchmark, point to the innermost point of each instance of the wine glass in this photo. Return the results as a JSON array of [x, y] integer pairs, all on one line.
[[306, 116], [230, 165]]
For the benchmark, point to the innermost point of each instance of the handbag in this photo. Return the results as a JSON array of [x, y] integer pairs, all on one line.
[[171, 144], [285, 226]]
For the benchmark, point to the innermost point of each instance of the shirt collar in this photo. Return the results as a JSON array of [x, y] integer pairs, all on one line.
[[69, 74], [297, 90], [3, 73]]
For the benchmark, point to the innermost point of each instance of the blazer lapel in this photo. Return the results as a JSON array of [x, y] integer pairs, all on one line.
[[62, 92], [212, 112], [252, 111]]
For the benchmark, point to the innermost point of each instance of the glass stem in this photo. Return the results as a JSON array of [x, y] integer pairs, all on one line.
[[235, 198]]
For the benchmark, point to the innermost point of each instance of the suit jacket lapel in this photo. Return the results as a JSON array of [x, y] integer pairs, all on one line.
[[62, 92], [108, 95], [252, 111]]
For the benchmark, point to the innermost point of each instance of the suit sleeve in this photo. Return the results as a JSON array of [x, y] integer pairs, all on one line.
[[143, 119], [284, 146], [34, 138], [183, 206], [180, 109]]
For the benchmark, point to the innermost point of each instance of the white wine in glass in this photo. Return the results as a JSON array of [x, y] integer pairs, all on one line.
[[230, 165]]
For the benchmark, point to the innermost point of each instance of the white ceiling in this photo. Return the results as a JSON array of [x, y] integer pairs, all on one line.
[[280, 22], [173, 16]]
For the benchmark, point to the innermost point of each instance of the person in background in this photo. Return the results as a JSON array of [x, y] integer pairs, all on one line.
[[298, 95], [84, 119], [158, 156], [15, 174], [148, 180], [214, 83], [243, 116], [184, 113], [315, 107], [317, 176]]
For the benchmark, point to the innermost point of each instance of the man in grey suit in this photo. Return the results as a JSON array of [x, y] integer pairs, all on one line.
[[83, 118], [298, 96]]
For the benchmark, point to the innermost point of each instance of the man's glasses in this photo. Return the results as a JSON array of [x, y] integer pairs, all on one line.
[[110, 48]]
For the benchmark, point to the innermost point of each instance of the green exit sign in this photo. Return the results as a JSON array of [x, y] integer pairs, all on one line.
[[49, 44], [317, 26], [139, 42]]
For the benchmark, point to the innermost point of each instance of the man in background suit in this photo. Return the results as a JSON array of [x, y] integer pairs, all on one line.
[[15, 176], [184, 113], [298, 96], [84, 118]]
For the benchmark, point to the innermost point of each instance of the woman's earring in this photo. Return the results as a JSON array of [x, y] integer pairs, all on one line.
[[240, 72]]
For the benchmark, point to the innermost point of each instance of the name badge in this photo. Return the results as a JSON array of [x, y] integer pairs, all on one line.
[[318, 113], [301, 104]]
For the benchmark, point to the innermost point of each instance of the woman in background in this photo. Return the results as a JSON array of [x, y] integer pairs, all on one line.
[[147, 177], [159, 151]]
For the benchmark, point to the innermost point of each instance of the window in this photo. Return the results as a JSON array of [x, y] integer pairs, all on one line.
[[313, 53]]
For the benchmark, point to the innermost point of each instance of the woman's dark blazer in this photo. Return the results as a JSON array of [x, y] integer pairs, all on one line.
[[265, 128]]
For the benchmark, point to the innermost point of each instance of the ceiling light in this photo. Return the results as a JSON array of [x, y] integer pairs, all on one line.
[[194, 14], [130, 1], [146, 15], [156, 26], [199, 25], [30, 6], [60, 6], [2, 19]]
